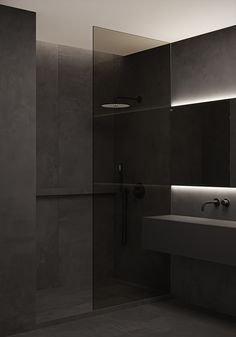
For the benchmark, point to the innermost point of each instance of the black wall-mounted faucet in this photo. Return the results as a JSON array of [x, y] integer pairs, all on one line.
[[215, 202], [225, 202]]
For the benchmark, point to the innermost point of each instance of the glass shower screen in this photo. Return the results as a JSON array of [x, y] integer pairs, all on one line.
[[131, 108]]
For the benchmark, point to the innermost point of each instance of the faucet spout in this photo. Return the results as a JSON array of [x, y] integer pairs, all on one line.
[[215, 202]]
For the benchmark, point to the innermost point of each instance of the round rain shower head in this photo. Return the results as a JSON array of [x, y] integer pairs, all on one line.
[[115, 106]]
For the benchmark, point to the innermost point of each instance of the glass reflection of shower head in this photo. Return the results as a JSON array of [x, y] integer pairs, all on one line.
[[117, 105]]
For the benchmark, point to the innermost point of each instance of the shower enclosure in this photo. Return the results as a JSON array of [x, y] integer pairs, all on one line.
[[89, 231], [131, 135]]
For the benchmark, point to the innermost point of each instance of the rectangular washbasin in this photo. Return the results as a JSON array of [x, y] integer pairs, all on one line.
[[200, 238]]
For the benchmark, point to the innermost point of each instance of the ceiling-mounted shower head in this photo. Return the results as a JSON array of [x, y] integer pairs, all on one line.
[[117, 105]]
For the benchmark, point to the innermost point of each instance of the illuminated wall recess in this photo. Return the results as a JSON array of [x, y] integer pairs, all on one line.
[[202, 188], [198, 100], [203, 68]]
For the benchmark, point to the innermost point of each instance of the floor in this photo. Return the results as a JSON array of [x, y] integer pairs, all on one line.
[[162, 319], [115, 292], [57, 303]]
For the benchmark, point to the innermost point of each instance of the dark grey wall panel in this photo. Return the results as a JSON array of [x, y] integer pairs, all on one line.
[[103, 239], [75, 72], [75, 234], [233, 142], [17, 170], [200, 144], [203, 67], [64, 117], [64, 168], [75, 104], [138, 137], [142, 144], [47, 115], [202, 283], [47, 243], [133, 263], [75, 145], [147, 74], [106, 80]]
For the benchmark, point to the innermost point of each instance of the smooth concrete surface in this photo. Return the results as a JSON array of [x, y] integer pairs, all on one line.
[[47, 119], [232, 142], [161, 319], [210, 285], [201, 140], [187, 201], [206, 284], [121, 137], [64, 117], [199, 238], [75, 121], [17, 169], [147, 73], [203, 67], [64, 181], [194, 220], [58, 303]]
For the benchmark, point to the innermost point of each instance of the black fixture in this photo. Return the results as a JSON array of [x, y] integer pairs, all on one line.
[[124, 203], [225, 202], [215, 202], [139, 191]]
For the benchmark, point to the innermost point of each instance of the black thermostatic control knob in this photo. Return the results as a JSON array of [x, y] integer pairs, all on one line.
[[139, 191], [225, 202]]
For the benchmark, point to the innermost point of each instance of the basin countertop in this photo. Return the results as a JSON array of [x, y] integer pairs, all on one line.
[[212, 240], [193, 220]]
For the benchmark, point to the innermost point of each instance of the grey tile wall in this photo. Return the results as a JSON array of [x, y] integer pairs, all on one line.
[[17, 170]]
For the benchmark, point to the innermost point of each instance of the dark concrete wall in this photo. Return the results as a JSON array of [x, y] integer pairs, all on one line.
[[142, 144], [139, 138], [202, 283], [200, 144], [105, 84], [17, 170], [64, 168], [232, 142], [147, 73], [205, 284], [203, 67]]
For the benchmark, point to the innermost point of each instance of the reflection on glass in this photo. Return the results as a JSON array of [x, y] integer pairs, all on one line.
[[203, 144], [131, 150]]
